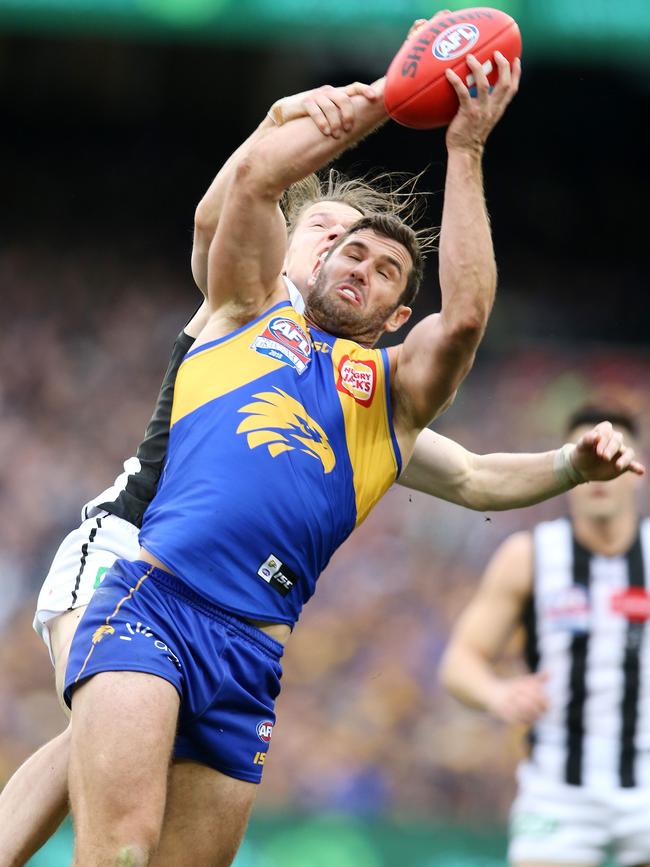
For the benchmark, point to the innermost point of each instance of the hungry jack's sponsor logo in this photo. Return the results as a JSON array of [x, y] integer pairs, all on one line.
[[357, 379]]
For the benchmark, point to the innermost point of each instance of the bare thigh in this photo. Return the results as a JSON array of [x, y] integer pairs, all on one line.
[[62, 630], [123, 728], [205, 818]]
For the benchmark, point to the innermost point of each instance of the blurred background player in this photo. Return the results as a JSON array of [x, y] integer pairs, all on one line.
[[579, 587]]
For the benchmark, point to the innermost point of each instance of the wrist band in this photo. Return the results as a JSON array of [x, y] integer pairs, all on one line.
[[563, 466]]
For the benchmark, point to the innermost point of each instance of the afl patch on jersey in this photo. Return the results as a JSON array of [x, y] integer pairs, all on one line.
[[284, 340]]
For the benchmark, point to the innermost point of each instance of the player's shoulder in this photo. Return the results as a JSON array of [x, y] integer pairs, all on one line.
[[519, 544], [511, 567]]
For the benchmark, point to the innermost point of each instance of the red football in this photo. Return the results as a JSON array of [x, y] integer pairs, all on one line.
[[417, 93]]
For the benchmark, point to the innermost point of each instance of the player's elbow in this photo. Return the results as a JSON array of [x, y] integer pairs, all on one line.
[[254, 176], [204, 219], [466, 327]]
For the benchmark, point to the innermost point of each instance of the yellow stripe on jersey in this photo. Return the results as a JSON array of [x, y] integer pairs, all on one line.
[[360, 381], [224, 367]]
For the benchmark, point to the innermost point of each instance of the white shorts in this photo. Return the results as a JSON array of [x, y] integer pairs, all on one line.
[[83, 558], [555, 822]]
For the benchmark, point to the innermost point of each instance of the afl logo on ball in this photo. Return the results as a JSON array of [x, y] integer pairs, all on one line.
[[455, 41], [265, 730]]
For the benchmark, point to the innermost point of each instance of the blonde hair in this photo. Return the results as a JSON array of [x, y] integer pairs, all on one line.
[[389, 193]]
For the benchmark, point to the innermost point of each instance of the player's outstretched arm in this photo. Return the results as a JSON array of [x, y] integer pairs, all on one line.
[[482, 632], [439, 351], [494, 482], [330, 109], [247, 252]]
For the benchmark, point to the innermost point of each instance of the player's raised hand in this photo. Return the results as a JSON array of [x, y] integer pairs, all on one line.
[[601, 454], [478, 114], [520, 700], [419, 23], [331, 108]]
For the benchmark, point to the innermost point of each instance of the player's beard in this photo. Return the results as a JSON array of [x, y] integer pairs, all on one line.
[[336, 316]]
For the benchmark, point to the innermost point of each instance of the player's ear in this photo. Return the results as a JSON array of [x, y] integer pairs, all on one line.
[[398, 317]]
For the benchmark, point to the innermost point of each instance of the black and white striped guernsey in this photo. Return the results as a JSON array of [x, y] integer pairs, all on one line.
[[587, 627]]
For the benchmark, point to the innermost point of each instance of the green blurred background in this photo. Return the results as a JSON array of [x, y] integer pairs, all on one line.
[[549, 27]]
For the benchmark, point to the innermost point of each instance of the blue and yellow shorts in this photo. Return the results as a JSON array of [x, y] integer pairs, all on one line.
[[227, 672]]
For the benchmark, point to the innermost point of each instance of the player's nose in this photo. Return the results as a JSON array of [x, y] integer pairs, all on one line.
[[335, 232]]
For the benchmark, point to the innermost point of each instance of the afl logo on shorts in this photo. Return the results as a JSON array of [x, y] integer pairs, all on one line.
[[265, 730], [455, 41], [358, 379], [284, 340]]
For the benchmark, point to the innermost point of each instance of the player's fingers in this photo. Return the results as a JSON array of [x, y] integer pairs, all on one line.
[[637, 468], [418, 24], [588, 439], [516, 76], [602, 441], [459, 87], [358, 88], [508, 93], [480, 79], [504, 79], [624, 459], [346, 109], [324, 99], [528, 712], [614, 446], [316, 113]]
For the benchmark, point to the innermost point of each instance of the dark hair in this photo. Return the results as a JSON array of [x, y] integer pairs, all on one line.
[[591, 415], [391, 226]]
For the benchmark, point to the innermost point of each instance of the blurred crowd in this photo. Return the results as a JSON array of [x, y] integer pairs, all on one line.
[[362, 724]]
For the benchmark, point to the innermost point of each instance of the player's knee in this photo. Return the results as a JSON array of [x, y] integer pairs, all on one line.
[[134, 844], [132, 855]]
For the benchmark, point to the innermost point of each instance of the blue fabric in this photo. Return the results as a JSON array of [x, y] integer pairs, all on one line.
[[259, 466], [227, 672]]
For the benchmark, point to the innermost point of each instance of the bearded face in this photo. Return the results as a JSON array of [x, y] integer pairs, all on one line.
[[358, 287]]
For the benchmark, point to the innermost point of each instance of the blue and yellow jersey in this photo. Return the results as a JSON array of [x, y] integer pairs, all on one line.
[[281, 442]]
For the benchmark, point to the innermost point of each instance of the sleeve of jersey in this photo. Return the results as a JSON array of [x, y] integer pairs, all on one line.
[[362, 385]]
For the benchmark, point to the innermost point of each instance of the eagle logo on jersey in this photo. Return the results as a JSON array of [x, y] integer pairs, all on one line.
[[281, 423]]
